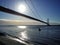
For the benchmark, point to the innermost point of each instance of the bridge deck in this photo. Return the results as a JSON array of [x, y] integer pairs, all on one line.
[[3, 9]]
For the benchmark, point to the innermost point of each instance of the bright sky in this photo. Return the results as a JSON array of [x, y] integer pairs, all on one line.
[[43, 9]]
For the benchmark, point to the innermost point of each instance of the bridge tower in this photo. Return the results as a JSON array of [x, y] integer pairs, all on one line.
[[48, 21]]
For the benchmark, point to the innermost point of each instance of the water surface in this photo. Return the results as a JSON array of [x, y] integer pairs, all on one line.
[[47, 35]]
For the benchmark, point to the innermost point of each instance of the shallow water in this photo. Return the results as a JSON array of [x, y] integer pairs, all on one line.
[[47, 35]]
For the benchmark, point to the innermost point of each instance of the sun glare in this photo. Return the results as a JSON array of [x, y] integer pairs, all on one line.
[[22, 27], [21, 8]]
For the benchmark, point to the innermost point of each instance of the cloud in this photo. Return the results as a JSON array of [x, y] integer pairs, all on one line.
[[19, 22]]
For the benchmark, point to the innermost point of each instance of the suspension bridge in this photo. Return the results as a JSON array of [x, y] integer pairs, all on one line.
[[7, 10]]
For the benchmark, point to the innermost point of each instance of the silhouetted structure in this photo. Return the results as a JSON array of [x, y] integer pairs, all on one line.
[[3, 9], [48, 21], [39, 29]]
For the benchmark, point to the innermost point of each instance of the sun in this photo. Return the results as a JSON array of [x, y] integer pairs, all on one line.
[[21, 8]]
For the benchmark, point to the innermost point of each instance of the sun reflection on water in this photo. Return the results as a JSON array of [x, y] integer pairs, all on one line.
[[16, 39], [22, 27], [24, 35]]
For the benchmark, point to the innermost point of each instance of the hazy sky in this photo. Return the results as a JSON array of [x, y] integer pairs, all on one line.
[[44, 9]]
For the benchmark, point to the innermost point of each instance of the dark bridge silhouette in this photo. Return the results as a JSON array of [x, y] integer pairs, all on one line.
[[3, 9]]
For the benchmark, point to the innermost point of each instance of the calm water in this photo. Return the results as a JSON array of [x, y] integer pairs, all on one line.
[[47, 35]]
